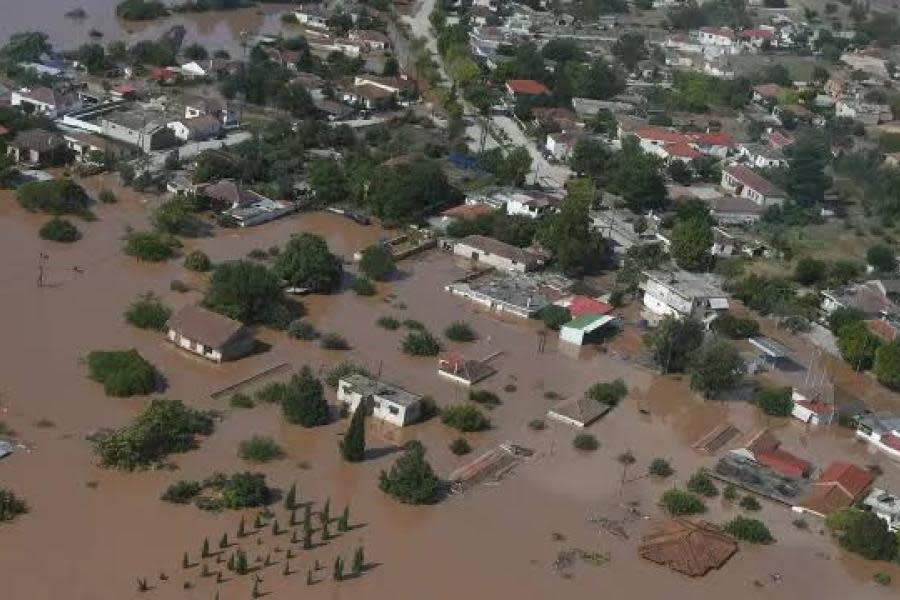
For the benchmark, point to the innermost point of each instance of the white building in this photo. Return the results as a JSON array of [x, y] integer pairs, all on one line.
[[864, 112], [683, 295], [882, 430], [530, 205], [744, 182], [312, 15], [196, 128], [760, 156], [494, 253], [384, 401], [45, 101], [208, 334], [885, 506], [811, 410]]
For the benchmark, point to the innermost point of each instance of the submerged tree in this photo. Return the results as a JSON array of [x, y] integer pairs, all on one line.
[[353, 445]]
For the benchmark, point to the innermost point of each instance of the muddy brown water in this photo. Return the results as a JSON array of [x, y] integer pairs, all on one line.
[[91, 542], [212, 29]]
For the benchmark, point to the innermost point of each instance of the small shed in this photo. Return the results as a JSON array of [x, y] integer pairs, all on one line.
[[690, 547], [209, 334], [770, 350], [576, 330]]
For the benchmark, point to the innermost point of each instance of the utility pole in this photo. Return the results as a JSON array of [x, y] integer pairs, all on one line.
[[42, 260]]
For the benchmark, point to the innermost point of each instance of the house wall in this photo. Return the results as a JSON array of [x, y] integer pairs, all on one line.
[[494, 260], [197, 348], [663, 300]]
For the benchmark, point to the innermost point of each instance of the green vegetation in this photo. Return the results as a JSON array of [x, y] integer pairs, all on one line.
[[244, 291], [55, 197], [342, 370], [858, 345], [182, 492], [353, 444], [363, 286], [306, 262], [701, 483], [151, 246], [148, 312], [421, 343], [887, 365], [465, 418], [485, 398], [59, 230], [241, 401], [882, 258], [303, 400], [882, 578], [775, 401], [680, 503], [245, 490], [377, 262], [863, 533], [735, 328], [576, 248], [302, 330], [716, 367], [749, 502], [411, 479], [260, 449], [162, 427], [517, 230], [122, 372], [334, 341], [554, 316], [673, 342], [586, 442], [749, 530], [11, 506], [691, 241], [389, 323], [141, 10], [198, 261], [607, 392], [460, 332], [460, 446], [660, 467]]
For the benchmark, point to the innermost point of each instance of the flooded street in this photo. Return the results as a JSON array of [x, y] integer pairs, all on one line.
[[214, 30], [92, 532]]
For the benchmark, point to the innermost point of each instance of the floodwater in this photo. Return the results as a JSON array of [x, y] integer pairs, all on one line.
[[91, 532], [212, 29]]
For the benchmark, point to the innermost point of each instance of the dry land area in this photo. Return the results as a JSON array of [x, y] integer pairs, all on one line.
[[91, 532]]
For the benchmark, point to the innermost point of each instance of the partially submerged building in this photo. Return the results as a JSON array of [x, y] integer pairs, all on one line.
[[839, 486], [494, 253], [683, 295], [885, 506], [384, 401], [578, 411], [881, 429], [764, 448], [456, 367], [245, 207], [209, 334], [693, 548], [519, 294]]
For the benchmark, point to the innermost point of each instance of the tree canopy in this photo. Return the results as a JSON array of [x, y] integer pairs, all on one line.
[[306, 262], [244, 291], [716, 367], [673, 341], [411, 479]]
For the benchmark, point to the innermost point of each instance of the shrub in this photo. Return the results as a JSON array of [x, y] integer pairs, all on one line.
[[258, 254], [421, 343], [586, 442], [411, 479], [882, 578], [810, 271], [414, 325], [679, 503], [887, 365], [122, 372], [198, 261], [11, 505], [748, 502], [341, 370], [181, 492], [56, 197], [334, 341], [775, 401], [302, 330], [148, 312], [460, 446], [858, 345], [106, 196], [151, 246], [260, 449], [241, 401], [735, 328], [554, 316], [730, 492], [245, 490], [882, 258], [844, 316], [660, 467], [377, 262], [161, 428], [460, 332], [363, 286], [537, 425], [179, 286], [389, 323], [485, 397], [701, 483], [465, 418], [303, 401], [749, 530], [59, 230], [609, 393], [716, 367]]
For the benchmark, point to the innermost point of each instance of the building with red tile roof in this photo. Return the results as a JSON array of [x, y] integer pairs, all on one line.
[[785, 463], [526, 87], [839, 486], [584, 305]]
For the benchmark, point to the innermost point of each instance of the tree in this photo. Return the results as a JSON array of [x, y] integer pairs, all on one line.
[[673, 342], [353, 445], [92, 57], [260, 449], [609, 393], [26, 46], [887, 364], [749, 530], [460, 331], [637, 177], [59, 230], [304, 402], [56, 197], [590, 157], [735, 328], [328, 181], [421, 343], [680, 503], [359, 560], [716, 367], [306, 262], [338, 571], [692, 241], [151, 246], [858, 345], [243, 290], [411, 479], [630, 50], [806, 179], [882, 258], [465, 418], [864, 533], [775, 401], [197, 261], [377, 262], [680, 172], [246, 490], [660, 467], [701, 483], [554, 316], [576, 247], [290, 499], [11, 505], [148, 312], [810, 271], [122, 372]]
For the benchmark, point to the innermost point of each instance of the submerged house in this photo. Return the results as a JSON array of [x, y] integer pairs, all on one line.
[[246, 207], [693, 548], [208, 334], [385, 401], [881, 429], [839, 486], [683, 295]]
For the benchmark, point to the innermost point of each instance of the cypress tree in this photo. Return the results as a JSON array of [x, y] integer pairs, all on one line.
[[241, 532], [204, 571], [344, 520], [223, 541], [268, 561], [294, 538], [240, 563], [309, 577], [185, 562], [307, 518], [275, 527], [142, 585], [353, 445], [258, 523], [338, 568], [290, 499], [287, 568], [325, 515], [204, 552], [307, 539], [326, 535], [255, 594], [293, 519], [359, 560], [231, 563], [290, 554]]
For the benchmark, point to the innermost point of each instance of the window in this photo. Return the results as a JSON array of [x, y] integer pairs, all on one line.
[[393, 410]]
